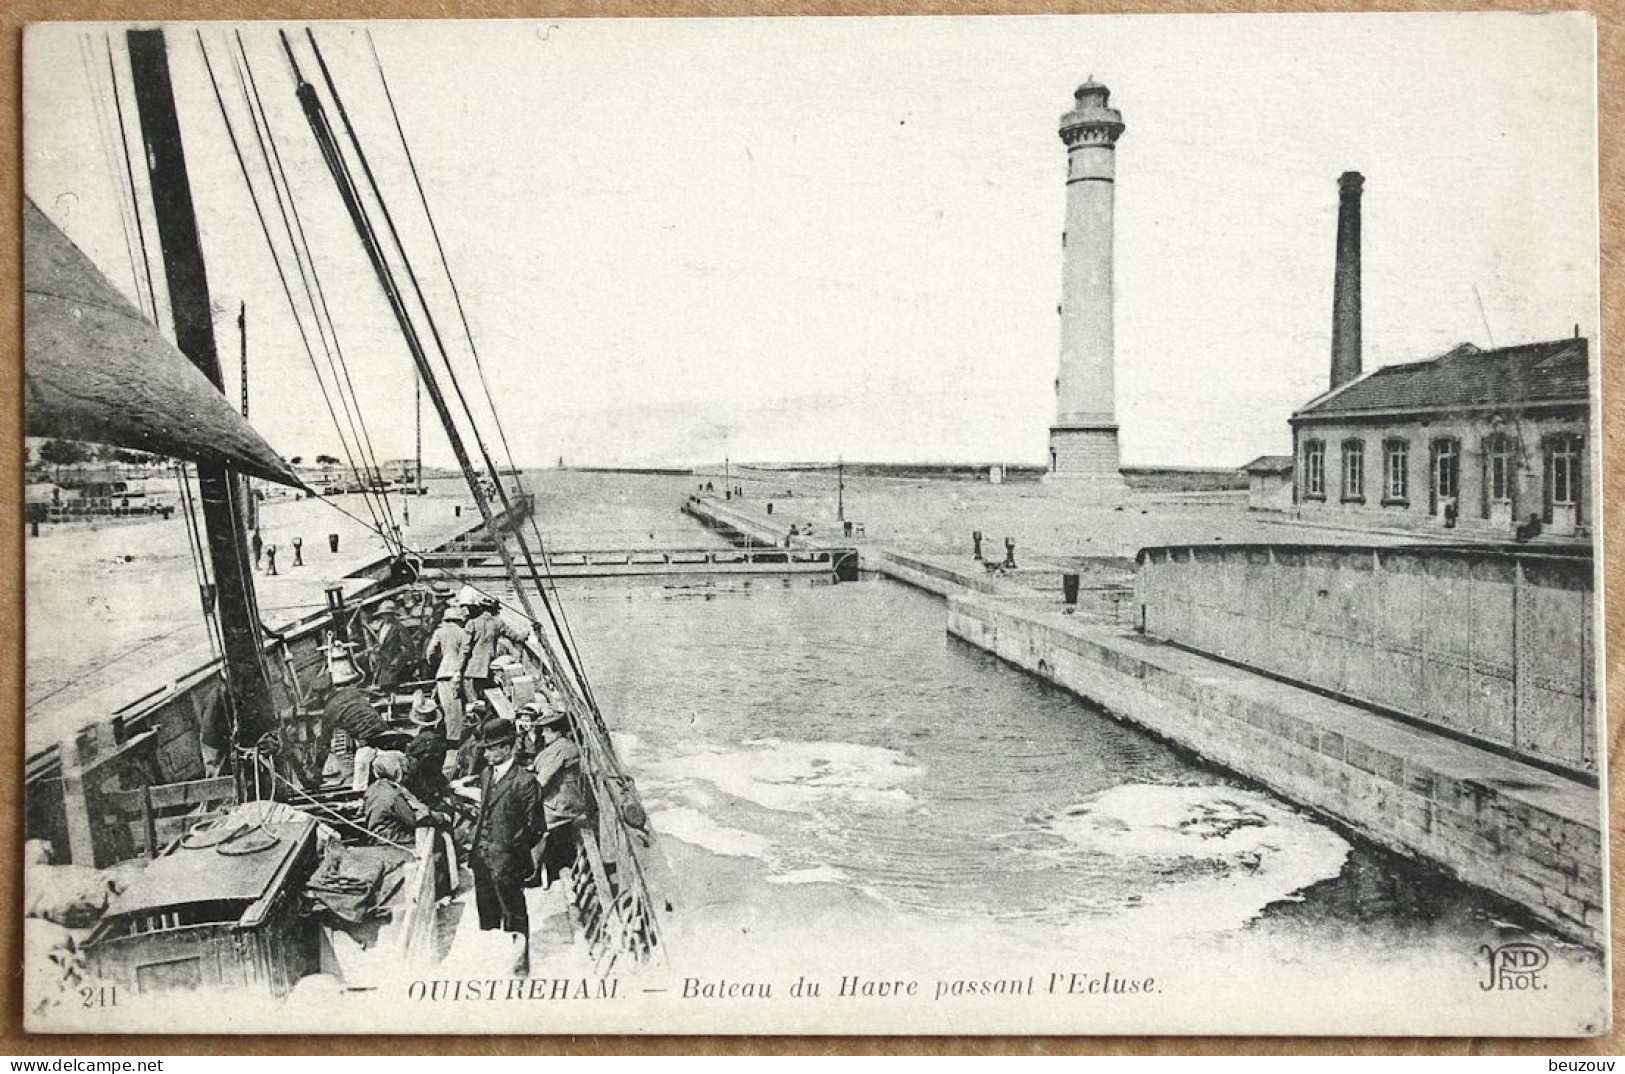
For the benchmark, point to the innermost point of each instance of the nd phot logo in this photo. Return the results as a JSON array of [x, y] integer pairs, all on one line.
[[1514, 967]]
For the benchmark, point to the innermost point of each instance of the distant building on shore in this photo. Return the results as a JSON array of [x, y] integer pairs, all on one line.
[[1269, 483], [1475, 440]]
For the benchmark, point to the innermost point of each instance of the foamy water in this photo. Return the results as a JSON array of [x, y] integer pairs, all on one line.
[[800, 777], [1212, 858]]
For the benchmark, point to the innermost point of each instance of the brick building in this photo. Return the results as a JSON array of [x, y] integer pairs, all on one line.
[[1475, 440]]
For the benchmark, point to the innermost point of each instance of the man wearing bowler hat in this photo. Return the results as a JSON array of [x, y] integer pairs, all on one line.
[[509, 824]]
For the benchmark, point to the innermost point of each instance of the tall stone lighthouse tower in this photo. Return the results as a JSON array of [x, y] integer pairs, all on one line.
[[1083, 459]]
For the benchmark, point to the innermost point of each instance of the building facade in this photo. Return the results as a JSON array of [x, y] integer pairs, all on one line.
[[1485, 442]]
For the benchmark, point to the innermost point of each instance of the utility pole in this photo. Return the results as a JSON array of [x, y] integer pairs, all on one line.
[[840, 490]]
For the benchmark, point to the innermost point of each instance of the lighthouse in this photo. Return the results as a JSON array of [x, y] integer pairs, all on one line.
[[1083, 456]]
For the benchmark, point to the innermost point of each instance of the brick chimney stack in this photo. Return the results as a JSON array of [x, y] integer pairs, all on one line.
[[1346, 283]]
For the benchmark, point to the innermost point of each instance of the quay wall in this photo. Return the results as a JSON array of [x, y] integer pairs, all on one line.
[[1485, 643], [937, 578], [1527, 835], [737, 526]]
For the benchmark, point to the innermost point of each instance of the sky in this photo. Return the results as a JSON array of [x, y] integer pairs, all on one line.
[[802, 239]]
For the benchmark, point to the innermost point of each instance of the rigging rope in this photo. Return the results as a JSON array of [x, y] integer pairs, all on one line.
[[542, 591], [322, 131], [115, 175], [129, 171], [129, 205], [440, 250], [194, 548], [276, 258], [314, 293], [561, 624]]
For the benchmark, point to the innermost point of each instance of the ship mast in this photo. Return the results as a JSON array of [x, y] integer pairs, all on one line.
[[188, 284]]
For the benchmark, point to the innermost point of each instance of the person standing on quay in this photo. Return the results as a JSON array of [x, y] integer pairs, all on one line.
[[508, 825], [259, 548], [270, 560], [298, 551]]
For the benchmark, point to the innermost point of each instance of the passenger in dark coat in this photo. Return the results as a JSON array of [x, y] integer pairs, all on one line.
[[508, 826], [396, 651], [348, 710], [387, 811]]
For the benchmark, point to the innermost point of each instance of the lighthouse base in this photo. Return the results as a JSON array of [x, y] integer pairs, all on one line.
[[1084, 464]]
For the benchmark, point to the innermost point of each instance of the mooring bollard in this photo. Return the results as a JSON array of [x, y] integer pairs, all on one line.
[[333, 543], [976, 541], [1010, 552], [1069, 587]]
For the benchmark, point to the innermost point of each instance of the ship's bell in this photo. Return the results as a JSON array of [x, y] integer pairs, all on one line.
[[341, 664]]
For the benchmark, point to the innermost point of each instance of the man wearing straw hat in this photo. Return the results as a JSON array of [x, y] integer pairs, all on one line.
[[425, 762], [508, 826], [393, 653]]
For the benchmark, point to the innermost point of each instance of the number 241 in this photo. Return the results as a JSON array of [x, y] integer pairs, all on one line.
[[100, 995]]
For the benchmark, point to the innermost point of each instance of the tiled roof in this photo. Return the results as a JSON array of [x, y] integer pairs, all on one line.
[[1553, 372], [1269, 464]]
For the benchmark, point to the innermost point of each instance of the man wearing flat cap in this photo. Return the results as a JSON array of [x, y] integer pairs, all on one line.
[[509, 824]]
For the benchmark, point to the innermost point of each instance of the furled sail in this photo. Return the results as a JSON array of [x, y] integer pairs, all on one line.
[[95, 369]]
